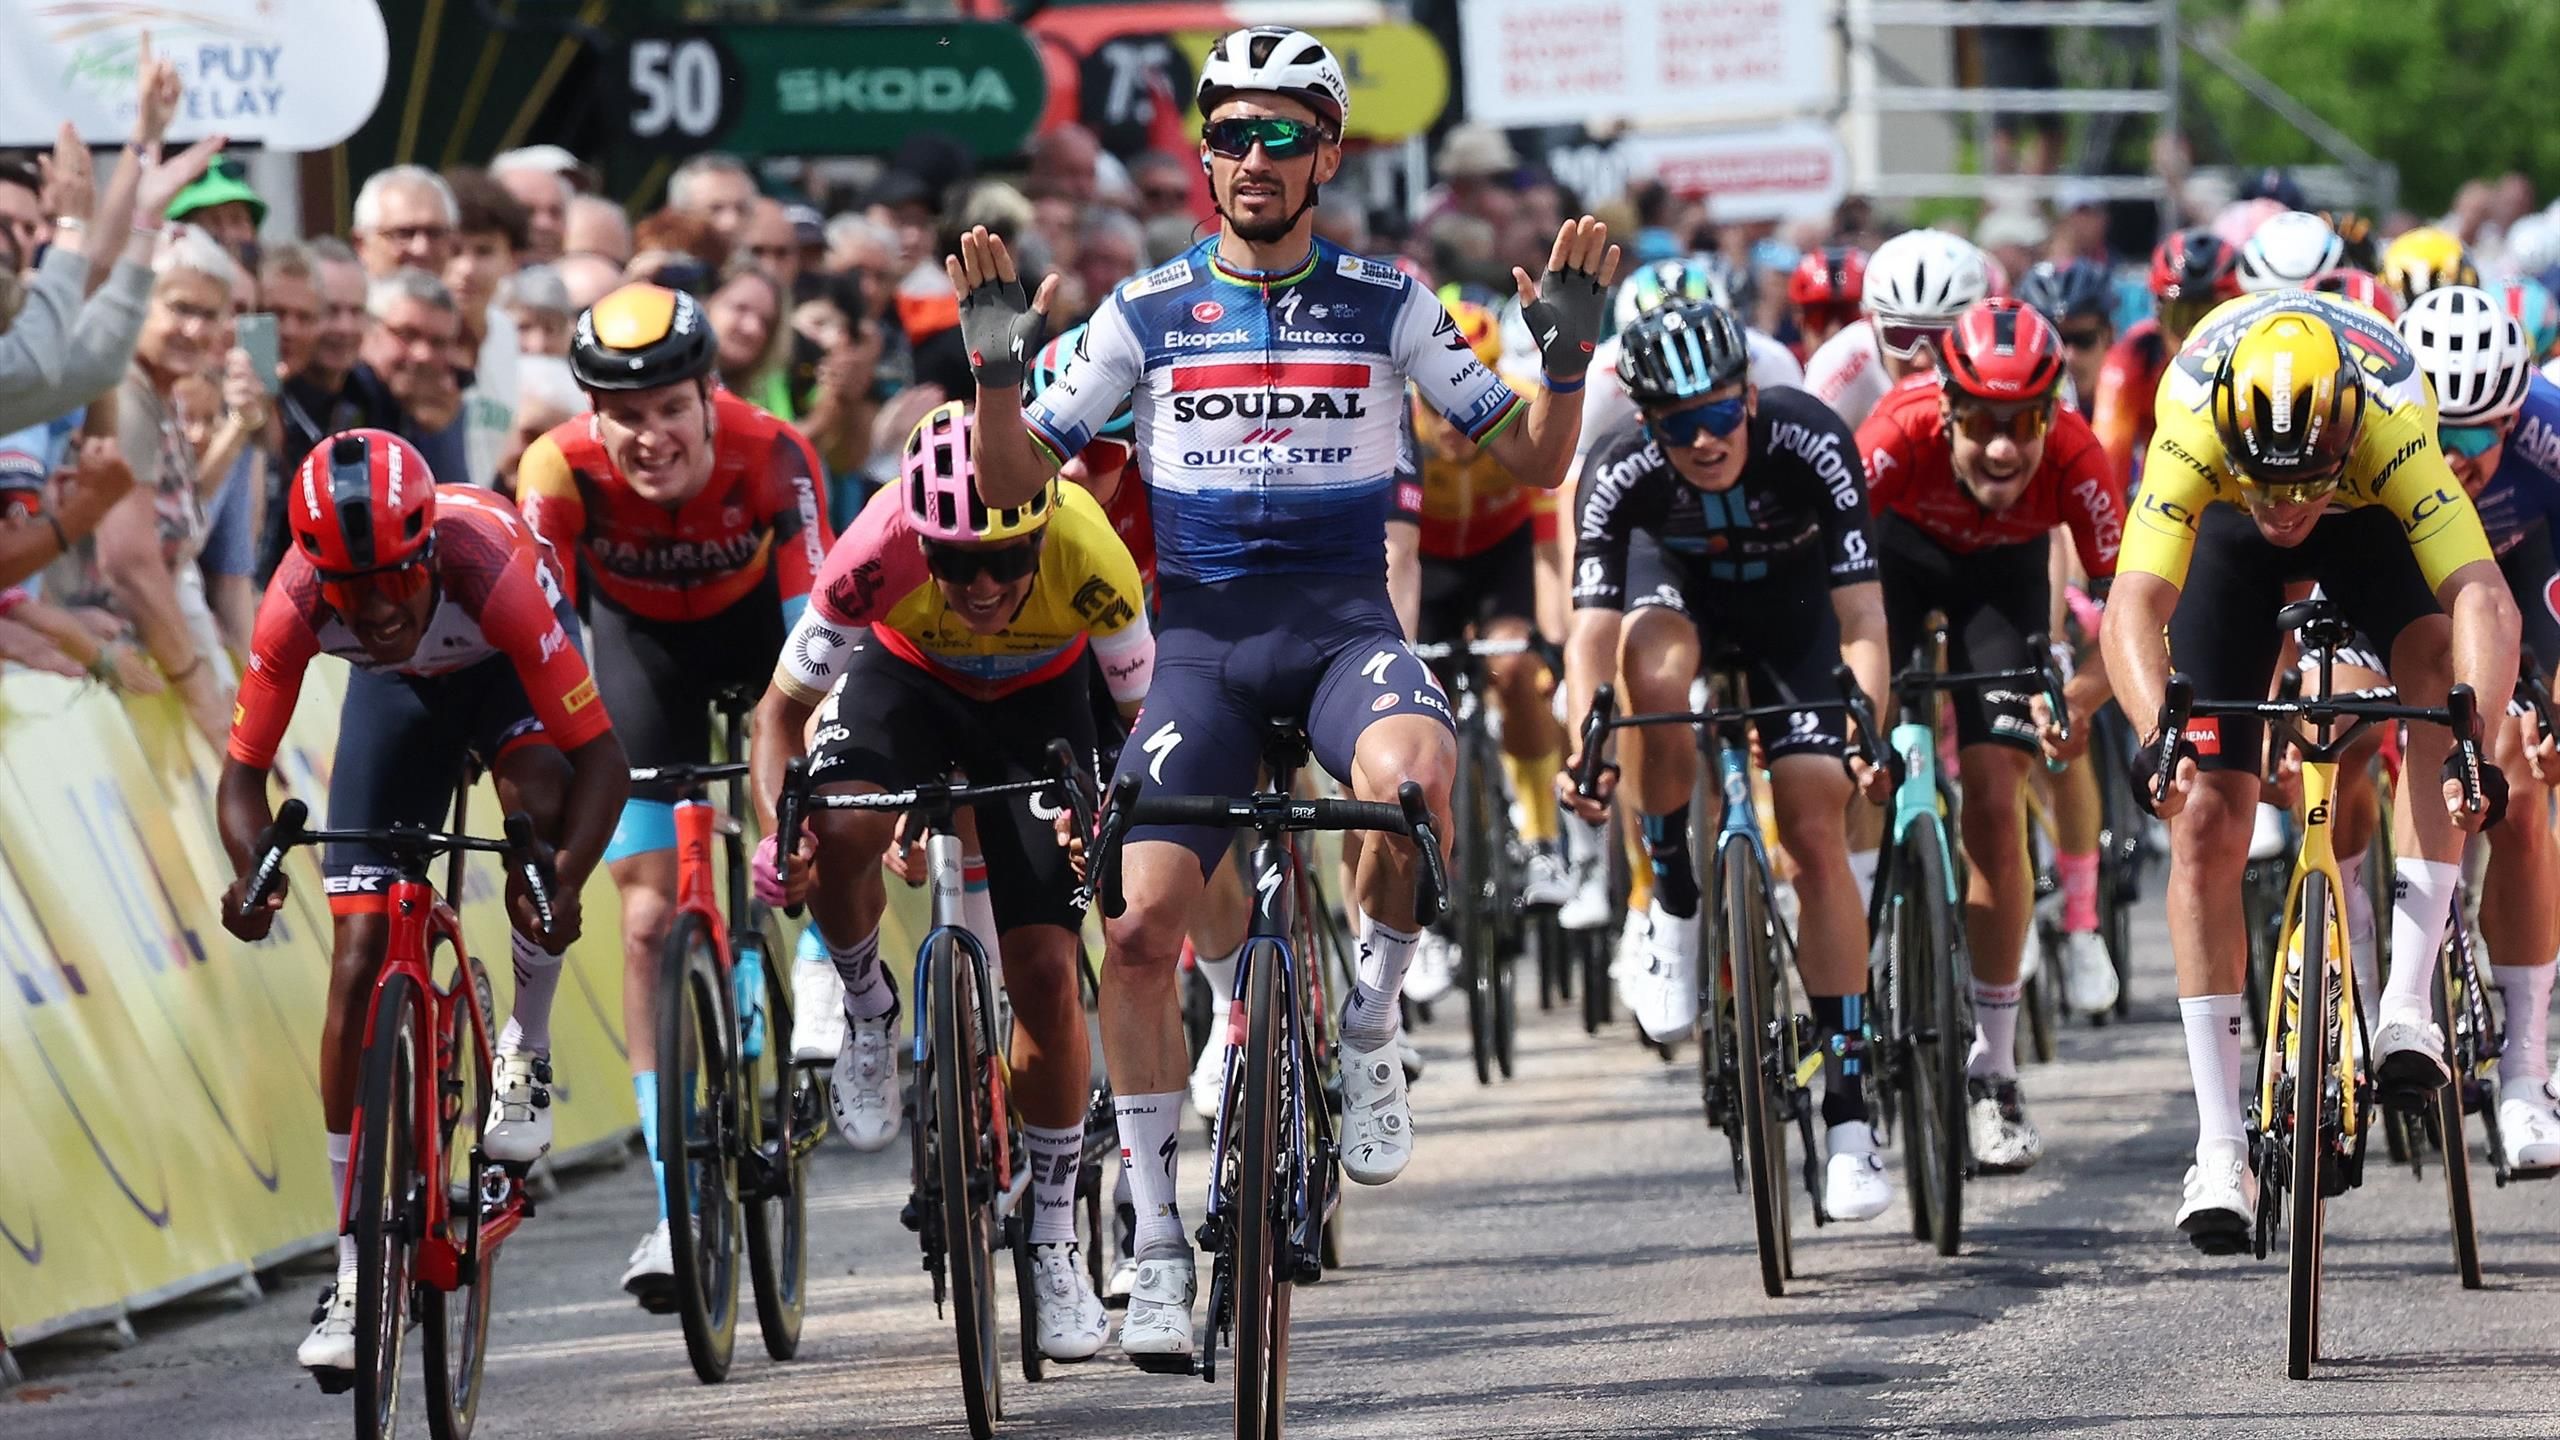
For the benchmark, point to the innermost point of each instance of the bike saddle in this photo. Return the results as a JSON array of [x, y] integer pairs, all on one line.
[[2316, 622], [738, 700], [1284, 744]]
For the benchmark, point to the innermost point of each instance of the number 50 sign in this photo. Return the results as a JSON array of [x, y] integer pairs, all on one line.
[[680, 90]]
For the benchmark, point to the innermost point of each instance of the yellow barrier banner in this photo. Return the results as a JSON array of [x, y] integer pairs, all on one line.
[[159, 1086]]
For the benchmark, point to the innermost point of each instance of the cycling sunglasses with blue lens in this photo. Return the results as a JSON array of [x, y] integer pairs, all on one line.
[[1681, 428], [1280, 138], [2470, 442]]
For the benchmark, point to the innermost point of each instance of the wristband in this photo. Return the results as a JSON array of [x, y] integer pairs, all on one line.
[[1561, 387], [59, 536], [69, 225]]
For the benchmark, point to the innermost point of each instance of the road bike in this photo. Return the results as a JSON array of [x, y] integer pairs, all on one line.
[[1761, 1053], [738, 1121], [1276, 1175], [426, 1205], [1919, 991], [969, 1172], [2307, 1122], [1488, 914]]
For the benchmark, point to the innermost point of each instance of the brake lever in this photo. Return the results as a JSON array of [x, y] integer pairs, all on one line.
[[2174, 707], [523, 847], [1106, 858], [1595, 730], [273, 842], [2462, 714], [786, 817], [1430, 893], [1870, 749]]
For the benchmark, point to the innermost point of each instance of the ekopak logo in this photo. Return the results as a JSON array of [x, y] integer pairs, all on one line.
[[1208, 312]]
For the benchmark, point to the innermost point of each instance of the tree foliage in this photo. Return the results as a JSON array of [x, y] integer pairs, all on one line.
[[2447, 90]]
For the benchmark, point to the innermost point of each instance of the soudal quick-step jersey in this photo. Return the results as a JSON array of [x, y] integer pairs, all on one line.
[[1267, 406]]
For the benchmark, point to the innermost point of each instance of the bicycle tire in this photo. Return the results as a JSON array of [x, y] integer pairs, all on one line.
[[2310, 1142], [2449, 1129], [780, 1129], [2119, 858], [383, 1206], [1764, 1131], [1261, 1340], [965, 1172], [698, 1086], [1937, 1149], [1479, 936], [453, 1326], [2041, 999], [1026, 1285]]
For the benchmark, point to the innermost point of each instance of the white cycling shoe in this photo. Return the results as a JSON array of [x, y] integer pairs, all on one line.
[[2005, 1141], [1855, 1185], [2408, 1051], [2530, 1132], [1545, 879], [817, 1005], [520, 1109], [1434, 971], [331, 1345], [2219, 1207], [2088, 973], [1157, 1328], [2267, 838], [651, 1276], [1209, 1075], [1377, 1124], [1664, 994], [865, 1093], [1073, 1324], [1588, 907]]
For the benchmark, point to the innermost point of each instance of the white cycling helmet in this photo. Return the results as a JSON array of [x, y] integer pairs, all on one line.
[[2472, 352], [2533, 245], [1924, 277], [1276, 58], [1665, 282], [2286, 251]]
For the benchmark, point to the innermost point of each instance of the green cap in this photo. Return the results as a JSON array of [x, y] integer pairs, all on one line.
[[222, 183]]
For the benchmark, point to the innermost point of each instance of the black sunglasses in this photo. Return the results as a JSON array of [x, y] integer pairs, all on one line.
[[2089, 339], [1280, 138], [960, 564]]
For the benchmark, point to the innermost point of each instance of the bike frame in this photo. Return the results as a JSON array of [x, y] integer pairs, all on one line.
[[1273, 864], [2317, 852], [944, 879]]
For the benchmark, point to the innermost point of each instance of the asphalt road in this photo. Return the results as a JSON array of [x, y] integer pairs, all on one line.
[[1566, 1256]]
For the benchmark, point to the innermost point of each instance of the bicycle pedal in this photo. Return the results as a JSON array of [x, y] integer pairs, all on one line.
[[910, 1216], [1165, 1364], [332, 1381]]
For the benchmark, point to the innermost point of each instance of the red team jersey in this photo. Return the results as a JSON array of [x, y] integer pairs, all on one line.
[[1911, 473]]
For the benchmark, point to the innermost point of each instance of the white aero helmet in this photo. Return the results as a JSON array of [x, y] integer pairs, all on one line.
[[1924, 277], [1276, 58], [2472, 352], [2287, 250]]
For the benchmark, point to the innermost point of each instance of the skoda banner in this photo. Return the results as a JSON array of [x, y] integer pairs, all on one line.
[[285, 74], [850, 89]]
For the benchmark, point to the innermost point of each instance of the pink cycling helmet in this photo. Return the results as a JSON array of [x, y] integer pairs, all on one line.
[[939, 478]]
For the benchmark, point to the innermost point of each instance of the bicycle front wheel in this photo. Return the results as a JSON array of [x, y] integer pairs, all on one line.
[[1263, 1274], [964, 1161], [1935, 1038], [698, 1104], [786, 1114], [2313, 1017], [1757, 1011], [2448, 1107], [454, 1325], [385, 1210]]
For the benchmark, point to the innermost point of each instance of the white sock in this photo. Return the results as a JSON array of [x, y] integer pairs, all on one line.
[[537, 981], [2422, 904], [1995, 1031], [868, 995], [1582, 839], [1150, 1153], [339, 1146], [1862, 865], [2216, 1043], [1369, 1019], [1220, 972], [978, 910], [2357, 905], [2526, 992], [1057, 1157]]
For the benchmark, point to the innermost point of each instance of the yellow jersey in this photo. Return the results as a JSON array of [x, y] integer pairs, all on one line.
[[2395, 463]]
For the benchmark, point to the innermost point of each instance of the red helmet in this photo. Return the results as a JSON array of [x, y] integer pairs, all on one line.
[[363, 501], [2000, 352], [2361, 286], [2195, 264], [1832, 275]]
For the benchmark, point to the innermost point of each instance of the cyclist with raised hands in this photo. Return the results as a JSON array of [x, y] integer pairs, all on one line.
[[1915, 287], [690, 524], [1270, 557], [1725, 515], [1970, 473], [2286, 251], [2297, 441], [949, 634], [2498, 422], [447, 610], [2191, 272]]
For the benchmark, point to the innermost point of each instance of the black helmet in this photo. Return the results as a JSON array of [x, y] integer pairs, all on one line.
[[640, 337], [2058, 292], [1681, 351]]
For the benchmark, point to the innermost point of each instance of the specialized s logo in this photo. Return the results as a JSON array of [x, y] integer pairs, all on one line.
[[1158, 746]]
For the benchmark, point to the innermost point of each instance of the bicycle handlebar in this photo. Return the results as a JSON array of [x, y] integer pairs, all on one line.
[[1410, 816], [2460, 713], [1482, 649], [1604, 718], [289, 830], [1920, 679], [687, 774], [2537, 694], [791, 808]]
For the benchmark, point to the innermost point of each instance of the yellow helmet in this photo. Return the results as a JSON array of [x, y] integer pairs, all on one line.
[[2427, 259], [2289, 401]]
